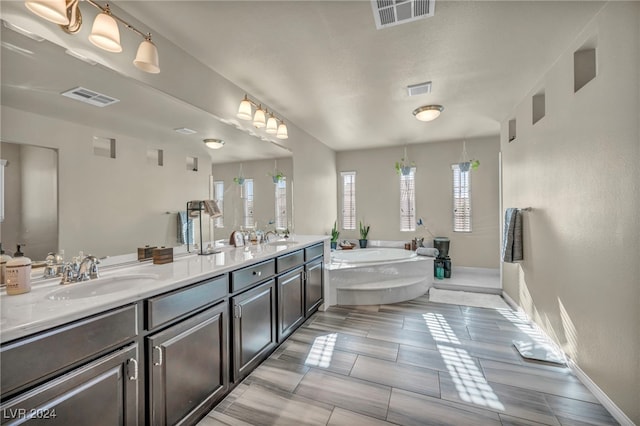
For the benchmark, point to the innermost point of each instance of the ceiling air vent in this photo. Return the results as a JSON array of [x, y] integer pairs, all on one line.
[[90, 97], [419, 89], [388, 13]]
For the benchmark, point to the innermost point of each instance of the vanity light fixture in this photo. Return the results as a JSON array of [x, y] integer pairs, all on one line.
[[105, 33], [214, 143], [428, 112], [273, 125]]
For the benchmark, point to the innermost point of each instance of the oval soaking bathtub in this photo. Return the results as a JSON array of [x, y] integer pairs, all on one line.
[[380, 275]]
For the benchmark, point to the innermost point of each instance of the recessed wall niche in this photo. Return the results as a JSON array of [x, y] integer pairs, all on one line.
[[192, 164], [155, 157], [584, 67], [512, 130], [538, 107], [104, 147]]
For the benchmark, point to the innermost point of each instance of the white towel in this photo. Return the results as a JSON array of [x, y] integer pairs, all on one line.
[[427, 251], [211, 208], [512, 236]]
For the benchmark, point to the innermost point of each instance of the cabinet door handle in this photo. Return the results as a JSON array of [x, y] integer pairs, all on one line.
[[159, 349], [239, 311], [258, 273], [133, 362]]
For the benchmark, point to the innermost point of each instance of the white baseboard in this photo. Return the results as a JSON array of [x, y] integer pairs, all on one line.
[[602, 397]]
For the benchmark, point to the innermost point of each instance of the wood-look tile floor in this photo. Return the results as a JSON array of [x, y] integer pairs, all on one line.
[[411, 363]]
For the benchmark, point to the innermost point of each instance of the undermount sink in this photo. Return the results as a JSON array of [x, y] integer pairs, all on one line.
[[101, 286]]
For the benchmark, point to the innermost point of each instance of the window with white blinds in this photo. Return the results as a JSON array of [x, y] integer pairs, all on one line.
[[218, 196], [461, 199], [348, 200], [281, 204], [247, 204], [408, 201]]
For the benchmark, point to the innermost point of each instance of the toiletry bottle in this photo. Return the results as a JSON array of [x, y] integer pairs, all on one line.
[[18, 274], [4, 258]]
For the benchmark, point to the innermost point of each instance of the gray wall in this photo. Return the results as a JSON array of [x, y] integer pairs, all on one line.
[[378, 196], [579, 168]]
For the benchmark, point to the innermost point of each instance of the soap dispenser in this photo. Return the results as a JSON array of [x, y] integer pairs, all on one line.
[[18, 274], [4, 258]]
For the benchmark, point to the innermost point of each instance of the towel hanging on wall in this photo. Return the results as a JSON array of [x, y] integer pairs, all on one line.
[[512, 236], [185, 224]]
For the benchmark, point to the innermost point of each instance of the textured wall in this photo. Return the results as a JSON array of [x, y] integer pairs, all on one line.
[[579, 168]]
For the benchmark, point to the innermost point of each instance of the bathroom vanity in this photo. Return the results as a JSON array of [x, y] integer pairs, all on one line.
[[154, 344]]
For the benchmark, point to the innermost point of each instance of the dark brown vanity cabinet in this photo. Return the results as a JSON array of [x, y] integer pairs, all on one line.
[[313, 286], [188, 366], [291, 306], [85, 373], [254, 327]]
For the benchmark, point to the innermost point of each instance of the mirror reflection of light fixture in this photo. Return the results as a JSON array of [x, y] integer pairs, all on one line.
[[428, 112], [259, 119], [105, 33], [282, 132], [214, 143], [245, 112], [272, 125]]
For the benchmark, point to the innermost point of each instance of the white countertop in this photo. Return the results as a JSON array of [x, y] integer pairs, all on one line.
[[28, 313]]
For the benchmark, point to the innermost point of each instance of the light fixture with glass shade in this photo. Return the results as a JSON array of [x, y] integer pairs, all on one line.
[[428, 112], [214, 143], [273, 125], [147, 56], [105, 33], [259, 119]]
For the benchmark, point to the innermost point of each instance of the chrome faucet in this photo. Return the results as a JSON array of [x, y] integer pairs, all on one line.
[[80, 270], [266, 235]]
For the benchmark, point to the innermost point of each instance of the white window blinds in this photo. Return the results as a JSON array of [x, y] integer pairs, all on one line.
[[461, 199], [348, 200], [408, 201], [218, 196], [247, 203], [281, 204]]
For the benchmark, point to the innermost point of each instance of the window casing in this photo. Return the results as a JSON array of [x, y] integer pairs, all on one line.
[[218, 197], [248, 220], [281, 204], [348, 200], [461, 183], [408, 201]]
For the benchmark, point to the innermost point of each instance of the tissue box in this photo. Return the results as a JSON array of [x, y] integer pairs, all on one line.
[[145, 252], [162, 255]]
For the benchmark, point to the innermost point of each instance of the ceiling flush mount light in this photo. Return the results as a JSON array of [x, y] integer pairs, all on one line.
[[273, 126], [428, 112], [214, 143], [105, 33]]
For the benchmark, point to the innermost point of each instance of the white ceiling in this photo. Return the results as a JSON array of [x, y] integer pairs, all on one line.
[[325, 66], [322, 65]]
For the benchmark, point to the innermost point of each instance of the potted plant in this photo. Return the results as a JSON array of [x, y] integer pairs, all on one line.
[[364, 231], [277, 176], [402, 168], [335, 234], [240, 178], [466, 164]]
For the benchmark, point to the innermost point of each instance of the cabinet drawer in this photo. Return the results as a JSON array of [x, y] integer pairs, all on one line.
[[288, 261], [30, 360], [313, 252], [167, 307], [246, 277]]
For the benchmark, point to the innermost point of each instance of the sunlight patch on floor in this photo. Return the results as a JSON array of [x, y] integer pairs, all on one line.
[[321, 352]]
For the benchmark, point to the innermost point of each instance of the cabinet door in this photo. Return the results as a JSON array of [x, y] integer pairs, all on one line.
[[313, 286], [254, 327], [103, 392], [290, 302], [188, 366]]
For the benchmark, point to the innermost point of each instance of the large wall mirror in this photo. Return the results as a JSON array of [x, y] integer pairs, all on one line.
[[111, 201]]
